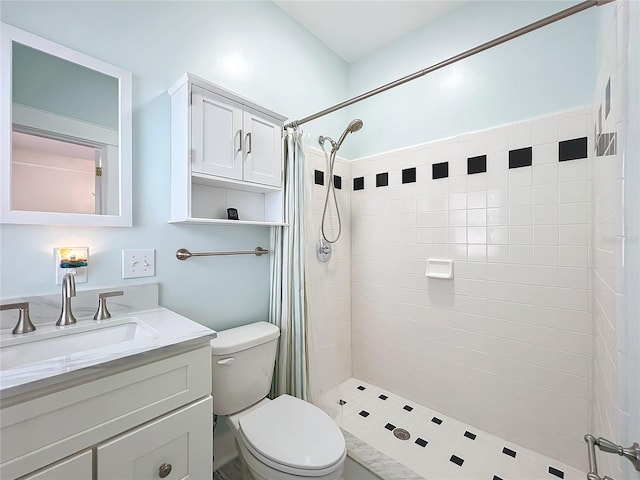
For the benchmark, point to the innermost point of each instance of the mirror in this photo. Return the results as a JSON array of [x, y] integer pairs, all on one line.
[[65, 126]]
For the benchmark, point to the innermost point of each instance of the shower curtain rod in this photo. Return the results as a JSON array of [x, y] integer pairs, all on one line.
[[485, 46]]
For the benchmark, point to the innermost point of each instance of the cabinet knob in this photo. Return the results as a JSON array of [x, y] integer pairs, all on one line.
[[164, 470]]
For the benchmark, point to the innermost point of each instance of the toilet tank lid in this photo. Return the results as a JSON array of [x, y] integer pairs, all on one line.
[[241, 338]]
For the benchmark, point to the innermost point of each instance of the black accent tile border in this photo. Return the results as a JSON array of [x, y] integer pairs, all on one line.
[[607, 99], [476, 164], [382, 397], [319, 177], [409, 175], [342, 402], [382, 179], [337, 182], [572, 149], [440, 170], [390, 426], [436, 420], [556, 472], [360, 387], [508, 451], [358, 183], [496, 477], [408, 408], [470, 435], [521, 157], [364, 413], [457, 460], [421, 441]]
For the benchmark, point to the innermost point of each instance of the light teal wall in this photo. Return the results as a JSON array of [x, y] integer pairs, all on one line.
[[252, 48], [49, 83], [544, 71]]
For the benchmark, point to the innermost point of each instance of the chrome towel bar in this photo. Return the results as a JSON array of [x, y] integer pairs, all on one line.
[[184, 254]]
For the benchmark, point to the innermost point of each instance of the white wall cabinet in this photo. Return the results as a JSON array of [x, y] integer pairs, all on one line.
[[226, 152], [144, 423]]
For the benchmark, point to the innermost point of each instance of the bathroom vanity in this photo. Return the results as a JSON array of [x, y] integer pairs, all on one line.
[[130, 400]]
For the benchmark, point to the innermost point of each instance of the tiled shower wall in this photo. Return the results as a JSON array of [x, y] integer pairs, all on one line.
[[329, 292], [506, 345]]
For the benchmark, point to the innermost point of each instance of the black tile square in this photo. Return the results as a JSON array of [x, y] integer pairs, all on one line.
[[342, 402], [358, 183], [572, 149], [470, 435], [440, 170], [409, 175], [360, 387], [436, 420], [421, 442], [382, 397], [389, 426], [364, 413], [477, 164], [407, 408], [508, 451], [382, 179], [337, 182], [457, 460], [319, 177], [521, 157], [496, 477], [556, 472]]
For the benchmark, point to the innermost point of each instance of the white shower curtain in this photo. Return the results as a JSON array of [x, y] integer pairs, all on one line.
[[288, 309]]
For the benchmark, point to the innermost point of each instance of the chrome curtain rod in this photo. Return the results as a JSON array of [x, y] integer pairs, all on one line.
[[184, 254], [485, 46]]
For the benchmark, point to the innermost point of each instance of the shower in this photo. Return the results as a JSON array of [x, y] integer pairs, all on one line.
[[324, 246]]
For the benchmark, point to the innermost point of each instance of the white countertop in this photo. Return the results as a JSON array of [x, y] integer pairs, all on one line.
[[160, 330]]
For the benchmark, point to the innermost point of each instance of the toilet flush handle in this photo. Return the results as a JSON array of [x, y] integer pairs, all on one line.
[[226, 361]]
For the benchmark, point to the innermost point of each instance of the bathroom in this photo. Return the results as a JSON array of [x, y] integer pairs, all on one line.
[[549, 81]]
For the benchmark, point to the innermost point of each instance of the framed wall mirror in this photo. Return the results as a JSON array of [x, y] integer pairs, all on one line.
[[65, 131]]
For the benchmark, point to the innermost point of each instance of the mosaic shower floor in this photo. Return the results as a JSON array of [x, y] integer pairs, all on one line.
[[438, 447]]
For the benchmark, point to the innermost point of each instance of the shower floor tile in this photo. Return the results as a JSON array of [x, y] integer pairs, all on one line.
[[439, 447]]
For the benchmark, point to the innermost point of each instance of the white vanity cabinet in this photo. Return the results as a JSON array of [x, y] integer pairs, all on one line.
[[226, 152], [152, 419]]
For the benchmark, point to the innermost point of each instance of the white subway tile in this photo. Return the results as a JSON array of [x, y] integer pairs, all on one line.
[[545, 234], [545, 193], [477, 199], [570, 213], [520, 135], [574, 191], [477, 217], [520, 177], [544, 154], [543, 174], [575, 234], [498, 216], [498, 180], [498, 235], [498, 139], [498, 198]]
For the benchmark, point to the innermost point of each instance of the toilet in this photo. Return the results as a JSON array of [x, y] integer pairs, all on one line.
[[281, 439]]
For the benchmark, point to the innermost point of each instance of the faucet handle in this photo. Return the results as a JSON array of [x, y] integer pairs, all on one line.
[[103, 312], [24, 324]]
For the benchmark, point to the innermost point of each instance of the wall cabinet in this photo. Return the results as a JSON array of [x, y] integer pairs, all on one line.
[[149, 422], [226, 152]]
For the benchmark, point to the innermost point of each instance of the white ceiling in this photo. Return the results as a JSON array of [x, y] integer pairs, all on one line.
[[354, 28]]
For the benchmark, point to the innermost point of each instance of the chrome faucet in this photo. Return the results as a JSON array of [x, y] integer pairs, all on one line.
[[24, 324], [68, 291]]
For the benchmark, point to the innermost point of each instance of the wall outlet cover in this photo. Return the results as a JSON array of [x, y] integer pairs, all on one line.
[[138, 263]]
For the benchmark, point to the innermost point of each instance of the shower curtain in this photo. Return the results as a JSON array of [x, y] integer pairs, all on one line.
[[288, 306]]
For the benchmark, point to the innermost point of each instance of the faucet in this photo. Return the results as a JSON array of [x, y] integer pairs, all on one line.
[[24, 324], [68, 291]]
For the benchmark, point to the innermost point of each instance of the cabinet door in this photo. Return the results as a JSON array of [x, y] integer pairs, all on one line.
[[176, 446], [77, 467], [216, 138], [263, 149]]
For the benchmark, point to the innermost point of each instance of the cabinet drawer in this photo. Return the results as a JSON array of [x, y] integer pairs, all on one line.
[[78, 467], [176, 446]]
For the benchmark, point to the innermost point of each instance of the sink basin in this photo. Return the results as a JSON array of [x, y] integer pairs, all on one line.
[[49, 342]]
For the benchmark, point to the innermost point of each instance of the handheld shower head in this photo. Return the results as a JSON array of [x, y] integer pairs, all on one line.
[[354, 126]]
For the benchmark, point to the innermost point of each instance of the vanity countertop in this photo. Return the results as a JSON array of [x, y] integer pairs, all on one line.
[[93, 350]]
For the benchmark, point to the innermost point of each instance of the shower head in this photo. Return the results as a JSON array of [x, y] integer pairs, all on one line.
[[354, 126]]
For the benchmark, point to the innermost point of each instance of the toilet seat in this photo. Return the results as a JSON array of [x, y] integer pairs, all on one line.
[[293, 436]]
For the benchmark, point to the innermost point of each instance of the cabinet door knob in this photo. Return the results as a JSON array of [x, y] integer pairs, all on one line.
[[164, 470]]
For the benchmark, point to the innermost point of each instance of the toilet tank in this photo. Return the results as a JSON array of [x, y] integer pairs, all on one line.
[[242, 360]]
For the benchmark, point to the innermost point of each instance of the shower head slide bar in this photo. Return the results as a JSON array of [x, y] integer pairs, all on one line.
[[184, 254]]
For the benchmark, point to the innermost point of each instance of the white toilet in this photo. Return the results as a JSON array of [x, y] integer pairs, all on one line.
[[281, 439]]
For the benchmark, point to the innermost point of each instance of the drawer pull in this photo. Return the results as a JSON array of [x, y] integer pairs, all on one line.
[[164, 470]]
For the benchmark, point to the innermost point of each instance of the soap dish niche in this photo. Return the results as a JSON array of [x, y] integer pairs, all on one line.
[[439, 268]]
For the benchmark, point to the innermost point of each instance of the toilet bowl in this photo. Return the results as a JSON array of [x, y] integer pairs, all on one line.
[[281, 439]]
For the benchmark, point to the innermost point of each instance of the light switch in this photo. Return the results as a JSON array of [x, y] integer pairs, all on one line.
[[138, 263]]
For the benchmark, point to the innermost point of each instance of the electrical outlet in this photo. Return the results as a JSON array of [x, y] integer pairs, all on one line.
[[138, 263]]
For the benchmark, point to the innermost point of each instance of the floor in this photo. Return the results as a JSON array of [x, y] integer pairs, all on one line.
[[438, 447]]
